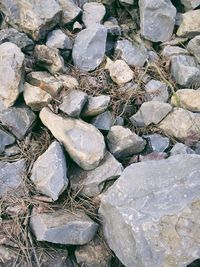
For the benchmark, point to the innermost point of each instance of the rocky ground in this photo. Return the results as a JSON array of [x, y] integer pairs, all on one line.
[[99, 133]]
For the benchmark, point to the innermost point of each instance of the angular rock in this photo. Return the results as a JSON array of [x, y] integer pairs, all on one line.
[[91, 183], [11, 73], [152, 56], [150, 112], [157, 19], [180, 148], [156, 91], [153, 156], [70, 10], [134, 54], [93, 13], [89, 48], [123, 142], [18, 120], [84, 143], [68, 81], [190, 4], [63, 227], [150, 215], [73, 102], [57, 39], [190, 25], [49, 172], [129, 2], [103, 121], [170, 50], [194, 47], [157, 143], [6, 139], [96, 105], [35, 18]]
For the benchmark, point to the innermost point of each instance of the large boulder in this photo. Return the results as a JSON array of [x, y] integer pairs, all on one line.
[[151, 213]]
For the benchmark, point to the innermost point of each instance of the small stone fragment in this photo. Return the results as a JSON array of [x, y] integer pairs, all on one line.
[[190, 25], [96, 105], [103, 121], [6, 139], [156, 91], [170, 50], [57, 39], [70, 10], [93, 13], [180, 148], [157, 143], [194, 47]]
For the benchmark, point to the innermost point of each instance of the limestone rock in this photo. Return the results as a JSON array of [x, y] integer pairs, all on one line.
[[180, 148], [190, 4], [156, 91], [63, 227], [123, 142], [57, 39], [91, 183], [157, 19], [84, 143], [89, 47], [70, 10], [93, 13], [6, 139], [170, 50], [49, 172], [11, 73], [150, 214], [35, 18], [156, 142], [190, 25], [103, 121], [96, 105], [194, 47]]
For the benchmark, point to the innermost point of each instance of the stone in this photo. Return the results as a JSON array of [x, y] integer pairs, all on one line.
[[96, 105], [89, 47], [11, 73], [194, 47], [190, 4], [156, 142], [119, 121], [63, 227], [73, 103], [185, 70], [49, 58], [49, 172], [12, 151], [94, 254], [103, 121], [32, 17], [68, 81], [93, 13], [35, 97], [11, 176], [19, 38], [180, 148], [91, 183], [153, 56], [77, 27], [190, 25], [119, 71], [18, 120], [129, 2], [58, 39], [45, 81], [157, 19], [156, 91], [175, 41], [122, 142], [153, 156], [170, 50], [150, 214], [181, 124], [70, 11], [6, 139], [151, 112], [133, 53], [113, 29], [84, 143]]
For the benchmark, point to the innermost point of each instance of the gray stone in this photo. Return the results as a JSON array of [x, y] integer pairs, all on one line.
[[12, 150], [152, 56], [190, 25], [91, 183], [96, 105], [112, 27], [89, 47], [58, 39], [18, 120], [11, 176], [170, 50], [157, 19], [49, 172], [19, 38], [157, 143], [119, 121], [151, 112], [180, 148], [11, 73], [185, 70], [93, 13], [6, 139], [63, 227], [70, 10], [194, 47], [84, 143], [150, 214], [103, 121], [73, 102], [133, 53], [190, 4], [49, 58], [153, 156], [35, 18], [123, 142], [156, 91]]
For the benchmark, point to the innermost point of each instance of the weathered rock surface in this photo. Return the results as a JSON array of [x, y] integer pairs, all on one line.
[[89, 47], [91, 183], [93, 13], [103, 121], [68, 81], [156, 142], [190, 4], [150, 215], [11, 73], [84, 143], [157, 19], [70, 10], [194, 47], [96, 105], [63, 227], [156, 91], [170, 50], [6, 139], [123, 142], [153, 156], [190, 25], [180, 148], [35, 18], [57, 39]]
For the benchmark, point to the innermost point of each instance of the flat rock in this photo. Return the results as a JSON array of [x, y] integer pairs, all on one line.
[[156, 91], [180, 148], [157, 19], [58, 39], [11, 73], [190, 25], [70, 11], [190, 4], [89, 47], [150, 214], [122, 142], [156, 142], [49, 172], [151, 112], [133, 53], [91, 183], [63, 227], [18, 120], [103, 121], [96, 105], [84, 143], [194, 47], [35, 18], [93, 13], [173, 50], [6, 139]]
